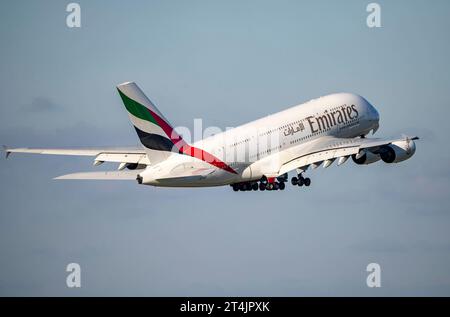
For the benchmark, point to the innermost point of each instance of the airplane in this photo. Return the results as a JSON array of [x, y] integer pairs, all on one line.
[[254, 156]]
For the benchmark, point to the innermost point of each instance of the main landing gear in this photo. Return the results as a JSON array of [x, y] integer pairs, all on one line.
[[262, 185], [278, 183], [300, 180]]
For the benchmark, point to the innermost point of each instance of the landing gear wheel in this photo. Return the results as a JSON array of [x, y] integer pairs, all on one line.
[[255, 186], [307, 181], [282, 186], [301, 181], [262, 187], [235, 187], [294, 181], [276, 186]]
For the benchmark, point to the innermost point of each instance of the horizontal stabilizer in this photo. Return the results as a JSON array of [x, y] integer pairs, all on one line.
[[104, 175]]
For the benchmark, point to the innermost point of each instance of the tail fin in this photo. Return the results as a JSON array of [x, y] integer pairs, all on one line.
[[154, 131]]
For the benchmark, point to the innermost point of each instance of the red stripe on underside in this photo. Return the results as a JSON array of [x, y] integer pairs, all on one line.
[[206, 157], [186, 149]]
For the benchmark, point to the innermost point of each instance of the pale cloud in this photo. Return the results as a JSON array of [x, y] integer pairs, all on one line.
[[43, 105]]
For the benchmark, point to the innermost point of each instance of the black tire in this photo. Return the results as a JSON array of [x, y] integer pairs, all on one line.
[[294, 181], [282, 186], [301, 181], [276, 186], [262, 187], [307, 181], [235, 187], [255, 186]]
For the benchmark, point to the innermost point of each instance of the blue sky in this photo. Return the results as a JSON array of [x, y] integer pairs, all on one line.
[[227, 62]]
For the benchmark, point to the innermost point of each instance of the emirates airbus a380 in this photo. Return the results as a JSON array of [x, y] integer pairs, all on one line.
[[256, 155]]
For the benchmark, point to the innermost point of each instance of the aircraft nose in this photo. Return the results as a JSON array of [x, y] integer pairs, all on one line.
[[374, 117], [374, 113]]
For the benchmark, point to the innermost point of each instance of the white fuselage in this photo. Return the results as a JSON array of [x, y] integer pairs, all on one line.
[[251, 148]]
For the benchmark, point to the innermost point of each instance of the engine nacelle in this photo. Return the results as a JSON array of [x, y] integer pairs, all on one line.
[[398, 151], [366, 159], [135, 166]]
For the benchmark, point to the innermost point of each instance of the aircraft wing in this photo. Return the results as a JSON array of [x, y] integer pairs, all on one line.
[[132, 155], [101, 175], [327, 149]]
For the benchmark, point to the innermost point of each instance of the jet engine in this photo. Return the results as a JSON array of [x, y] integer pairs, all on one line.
[[366, 159], [398, 151], [135, 166]]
